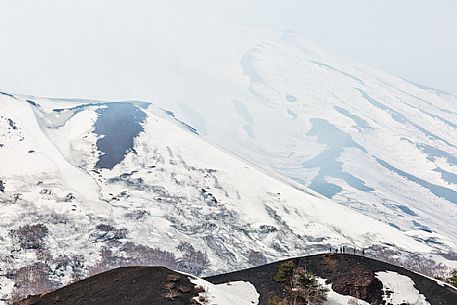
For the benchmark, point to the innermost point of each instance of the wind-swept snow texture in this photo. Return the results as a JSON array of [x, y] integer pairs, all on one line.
[[242, 293], [371, 141], [171, 198], [399, 289]]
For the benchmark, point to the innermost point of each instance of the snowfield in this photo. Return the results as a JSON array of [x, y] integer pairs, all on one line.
[[256, 146], [399, 289], [242, 293], [164, 195], [371, 141]]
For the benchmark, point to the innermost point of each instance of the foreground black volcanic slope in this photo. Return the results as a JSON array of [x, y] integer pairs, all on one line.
[[122, 286], [349, 275]]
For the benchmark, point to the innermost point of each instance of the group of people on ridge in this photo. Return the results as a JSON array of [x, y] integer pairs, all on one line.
[[344, 250]]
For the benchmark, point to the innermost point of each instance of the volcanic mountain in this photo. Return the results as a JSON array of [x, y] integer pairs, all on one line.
[[215, 148], [88, 186], [374, 142]]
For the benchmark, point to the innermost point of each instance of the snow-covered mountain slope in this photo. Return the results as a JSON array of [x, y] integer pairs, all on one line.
[[371, 141], [88, 186]]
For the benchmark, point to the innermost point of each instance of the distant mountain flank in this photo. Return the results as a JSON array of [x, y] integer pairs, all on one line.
[[90, 186], [208, 148], [371, 141]]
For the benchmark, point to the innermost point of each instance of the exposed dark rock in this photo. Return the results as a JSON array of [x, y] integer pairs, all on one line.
[[106, 232], [349, 275], [7, 94], [134, 285], [69, 197], [360, 282], [267, 229], [33, 103], [117, 125], [45, 192], [12, 124], [192, 260], [31, 236]]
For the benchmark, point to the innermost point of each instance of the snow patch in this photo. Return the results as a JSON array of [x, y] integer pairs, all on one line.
[[399, 289], [334, 298], [239, 292]]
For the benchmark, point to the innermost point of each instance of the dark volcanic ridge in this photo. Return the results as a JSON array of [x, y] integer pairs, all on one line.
[[123, 286], [350, 275]]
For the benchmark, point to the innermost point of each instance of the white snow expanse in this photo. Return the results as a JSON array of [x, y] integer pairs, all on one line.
[[171, 187], [382, 148], [373, 142], [239, 292], [399, 289]]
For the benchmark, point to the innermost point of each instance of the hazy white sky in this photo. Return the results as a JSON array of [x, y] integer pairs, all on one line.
[[414, 39]]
